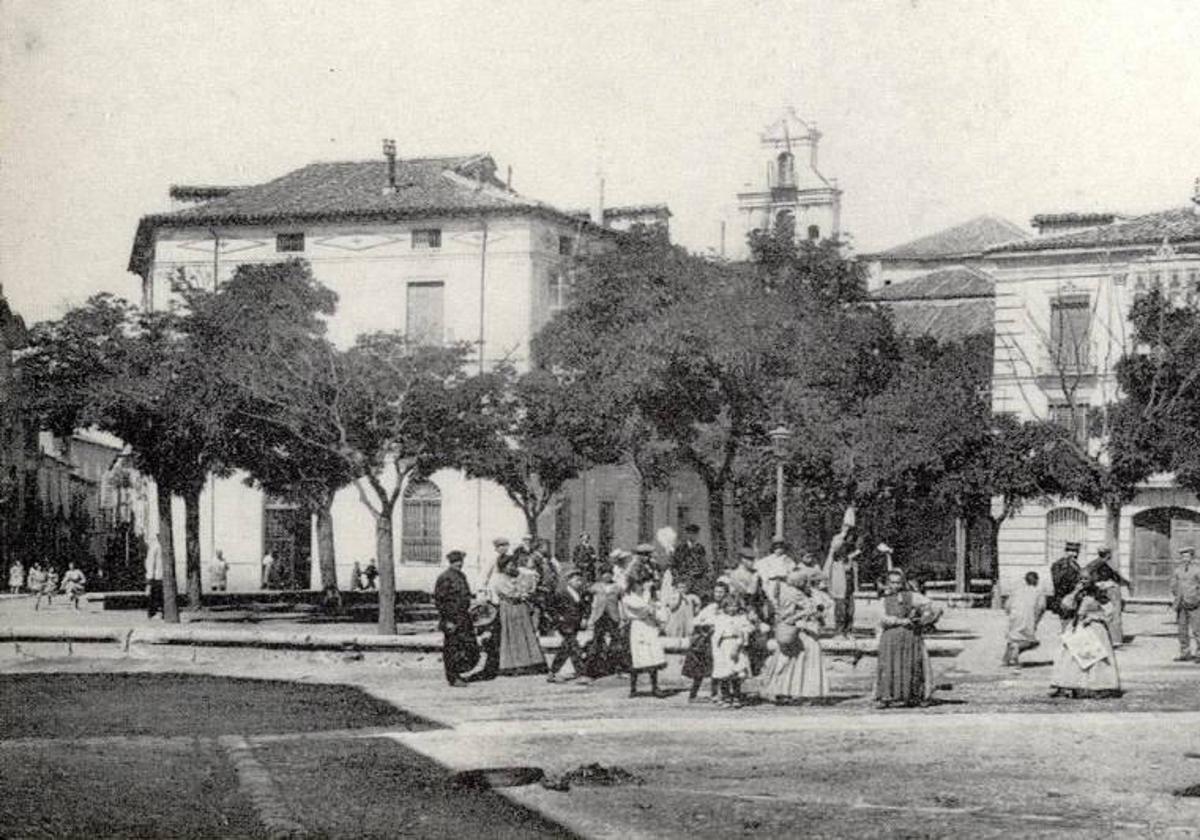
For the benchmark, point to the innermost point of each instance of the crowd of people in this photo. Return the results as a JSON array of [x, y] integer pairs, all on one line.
[[1088, 601], [45, 581], [761, 619]]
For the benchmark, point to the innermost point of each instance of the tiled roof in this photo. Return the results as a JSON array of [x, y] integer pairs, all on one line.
[[971, 237], [955, 282], [1176, 226], [353, 191], [946, 319]]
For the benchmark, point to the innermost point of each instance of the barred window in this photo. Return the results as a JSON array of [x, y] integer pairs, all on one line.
[[289, 242], [427, 238]]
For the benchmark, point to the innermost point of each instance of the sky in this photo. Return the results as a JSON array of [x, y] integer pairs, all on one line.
[[932, 112]]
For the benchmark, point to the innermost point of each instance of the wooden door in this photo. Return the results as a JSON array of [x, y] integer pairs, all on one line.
[[1152, 563]]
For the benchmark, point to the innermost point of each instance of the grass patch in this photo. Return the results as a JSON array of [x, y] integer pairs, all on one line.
[[92, 705]]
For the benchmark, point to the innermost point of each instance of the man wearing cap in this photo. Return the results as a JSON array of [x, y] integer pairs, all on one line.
[[1065, 575], [1107, 578], [502, 555], [569, 612], [692, 565], [841, 575], [1185, 592], [452, 597], [584, 558]]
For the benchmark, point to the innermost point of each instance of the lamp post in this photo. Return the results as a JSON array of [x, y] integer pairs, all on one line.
[[780, 436]]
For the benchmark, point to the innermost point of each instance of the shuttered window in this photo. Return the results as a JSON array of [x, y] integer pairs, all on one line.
[[425, 313]]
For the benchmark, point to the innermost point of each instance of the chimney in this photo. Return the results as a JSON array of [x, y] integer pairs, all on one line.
[[389, 152], [598, 210]]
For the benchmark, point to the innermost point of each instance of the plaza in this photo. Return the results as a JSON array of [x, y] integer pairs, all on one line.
[[995, 756]]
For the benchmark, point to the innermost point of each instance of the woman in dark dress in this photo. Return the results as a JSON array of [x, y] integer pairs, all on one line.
[[904, 674]]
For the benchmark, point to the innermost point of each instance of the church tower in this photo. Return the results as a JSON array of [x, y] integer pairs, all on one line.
[[793, 191]]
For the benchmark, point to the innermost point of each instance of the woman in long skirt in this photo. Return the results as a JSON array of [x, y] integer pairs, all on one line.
[[520, 649], [797, 669], [646, 653], [904, 674], [1085, 665], [681, 606]]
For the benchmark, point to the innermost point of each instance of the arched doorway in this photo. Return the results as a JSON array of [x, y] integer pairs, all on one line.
[[1064, 525], [1158, 534], [421, 523]]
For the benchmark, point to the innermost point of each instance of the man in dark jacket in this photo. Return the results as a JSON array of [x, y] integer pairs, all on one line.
[[567, 610], [1064, 575], [690, 564], [452, 597], [584, 558]]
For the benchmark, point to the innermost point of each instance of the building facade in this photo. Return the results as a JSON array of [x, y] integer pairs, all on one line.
[[1062, 304], [436, 248], [791, 192]]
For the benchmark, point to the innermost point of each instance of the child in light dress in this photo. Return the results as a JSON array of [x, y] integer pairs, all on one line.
[[731, 659]]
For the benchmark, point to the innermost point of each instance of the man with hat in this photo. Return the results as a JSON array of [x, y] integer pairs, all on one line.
[[641, 567], [585, 559], [1185, 592], [569, 613], [502, 557], [1065, 575], [1108, 579], [692, 565], [452, 597]]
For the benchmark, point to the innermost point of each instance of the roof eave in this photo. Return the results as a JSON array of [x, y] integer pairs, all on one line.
[[140, 258]]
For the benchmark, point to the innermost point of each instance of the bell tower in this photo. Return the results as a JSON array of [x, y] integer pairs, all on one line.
[[792, 191]]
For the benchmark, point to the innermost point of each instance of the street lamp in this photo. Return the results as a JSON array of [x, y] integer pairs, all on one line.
[[780, 436]]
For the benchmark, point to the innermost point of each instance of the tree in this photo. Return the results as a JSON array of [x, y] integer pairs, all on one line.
[[134, 374], [1157, 423], [699, 352], [545, 431], [263, 332]]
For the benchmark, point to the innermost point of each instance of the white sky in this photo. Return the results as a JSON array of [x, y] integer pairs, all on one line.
[[932, 111]]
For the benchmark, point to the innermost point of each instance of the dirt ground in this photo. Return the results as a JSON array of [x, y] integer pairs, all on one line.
[[998, 757]]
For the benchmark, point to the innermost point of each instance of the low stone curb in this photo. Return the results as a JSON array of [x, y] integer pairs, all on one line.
[[415, 643]]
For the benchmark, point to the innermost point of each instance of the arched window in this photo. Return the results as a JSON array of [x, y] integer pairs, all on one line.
[[785, 170], [1064, 525], [421, 523], [814, 233]]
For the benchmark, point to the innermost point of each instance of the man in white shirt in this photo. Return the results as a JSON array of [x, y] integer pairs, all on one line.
[[773, 568]]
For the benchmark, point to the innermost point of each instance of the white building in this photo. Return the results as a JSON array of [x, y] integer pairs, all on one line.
[[438, 248], [1062, 302]]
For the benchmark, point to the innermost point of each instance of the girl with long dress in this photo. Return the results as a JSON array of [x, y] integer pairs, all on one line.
[[904, 674], [730, 649], [797, 668], [520, 649], [1085, 665], [49, 587], [646, 655], [73, 583]]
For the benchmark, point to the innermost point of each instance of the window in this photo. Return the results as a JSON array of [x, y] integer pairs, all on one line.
[[289, 242], [1064, 525], [604, 543], [645, 520], [421, 523], [1074, 420], [427, 238], [566, 245], [424, 314], [1070, 320], [683, 518], [814, 233], [559, 288], [785, 170]]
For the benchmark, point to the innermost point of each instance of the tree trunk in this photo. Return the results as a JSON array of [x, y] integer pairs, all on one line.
[[326, 553], [531, 523], [166, 547], [716, 526], [191, 542], [387, 570], [1112, 532]]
